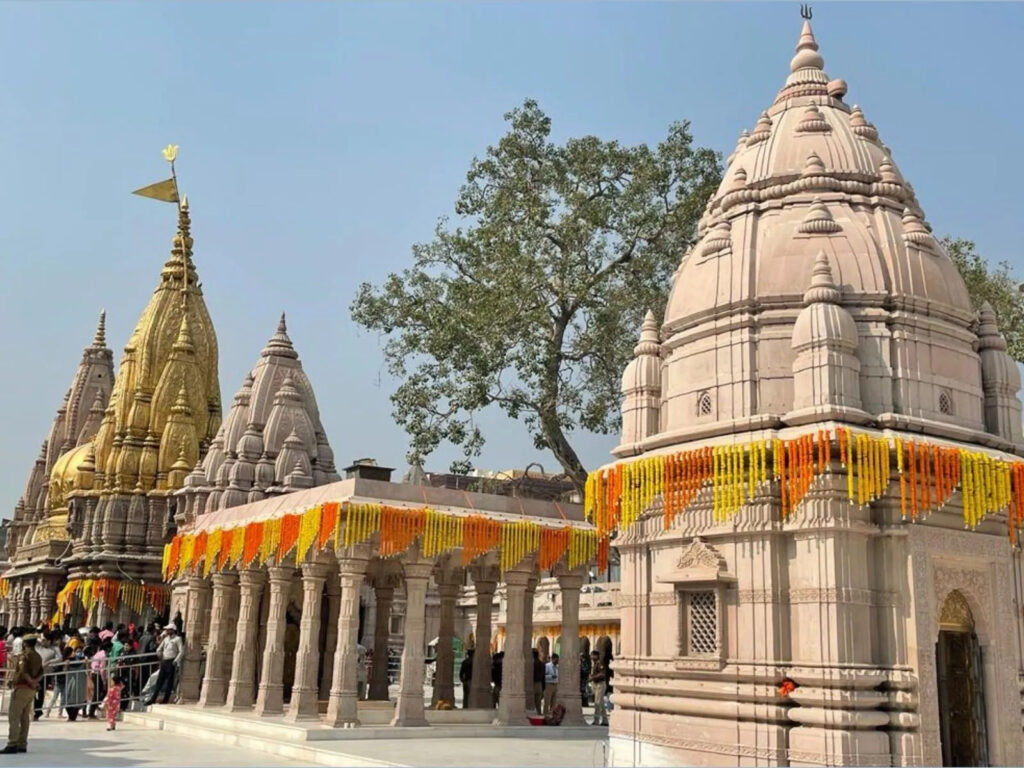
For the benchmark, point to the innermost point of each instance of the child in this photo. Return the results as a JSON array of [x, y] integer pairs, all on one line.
[[112, 705]]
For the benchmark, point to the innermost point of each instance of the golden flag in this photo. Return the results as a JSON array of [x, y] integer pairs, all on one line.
[[166, 190]]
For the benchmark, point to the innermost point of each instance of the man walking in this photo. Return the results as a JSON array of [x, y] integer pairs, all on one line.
[[28, 673], [169, 653], [550, 683]]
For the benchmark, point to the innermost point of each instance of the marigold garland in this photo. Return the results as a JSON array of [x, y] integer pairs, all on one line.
[[309, 531], [232, 554], [253, 540], [928, 477], [289, 535], [214, 540], [111, 592], [329, 518], [554, 543]]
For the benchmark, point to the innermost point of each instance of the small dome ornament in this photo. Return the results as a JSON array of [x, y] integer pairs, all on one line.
[[718, 240], [860, 126], [914, 230], [813, 121], [762, 130], [887, 172], [649, 343], [813, 166], [837, 89], [818, 220], [823, 289]]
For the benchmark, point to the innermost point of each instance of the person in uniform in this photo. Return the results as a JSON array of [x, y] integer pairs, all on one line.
[[28, 673]]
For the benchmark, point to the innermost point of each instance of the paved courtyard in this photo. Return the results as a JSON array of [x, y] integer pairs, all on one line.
[[88, 743], [61, 744]]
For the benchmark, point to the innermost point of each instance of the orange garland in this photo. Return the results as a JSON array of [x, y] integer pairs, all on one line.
[[329, 515], [289, 535]]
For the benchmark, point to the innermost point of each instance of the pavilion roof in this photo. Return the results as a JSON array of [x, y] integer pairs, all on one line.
[[365, 491]]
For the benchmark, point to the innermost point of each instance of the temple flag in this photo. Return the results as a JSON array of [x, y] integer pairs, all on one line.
[[166, 190]]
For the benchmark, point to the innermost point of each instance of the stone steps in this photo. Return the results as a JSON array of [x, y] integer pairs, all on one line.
[[312, 742]]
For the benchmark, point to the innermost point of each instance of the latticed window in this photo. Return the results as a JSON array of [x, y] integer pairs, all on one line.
[[946, 402], [701, 624], [704, 405]]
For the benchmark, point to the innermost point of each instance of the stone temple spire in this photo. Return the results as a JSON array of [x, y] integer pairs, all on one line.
[[807, 56], [99, 341], [280, 344]]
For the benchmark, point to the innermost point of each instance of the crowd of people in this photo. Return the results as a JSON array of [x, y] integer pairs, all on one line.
[[83, 672]]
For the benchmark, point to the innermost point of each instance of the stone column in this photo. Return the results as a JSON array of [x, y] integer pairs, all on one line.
[[384, 595], [343, 705], [528, 596], [33, 615], [512, 704], [270, 697], [480, 686], [331, 639], [444, 681], [307, 659], [222, 626], [47, 601], [409, 710], [569, 659], [195, 614], [243, 666]]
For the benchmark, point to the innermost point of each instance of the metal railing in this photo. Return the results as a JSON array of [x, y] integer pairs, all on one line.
[[82, 684]]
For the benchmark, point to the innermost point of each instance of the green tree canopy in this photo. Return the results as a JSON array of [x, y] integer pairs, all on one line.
[[997, 285], [534, 299]]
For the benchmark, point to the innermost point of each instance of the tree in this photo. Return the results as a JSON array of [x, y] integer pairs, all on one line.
[[534, 300], [998, 286]]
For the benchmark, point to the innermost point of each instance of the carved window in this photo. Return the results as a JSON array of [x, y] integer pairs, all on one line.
[[700, 624], [704, 404], [946, 402]]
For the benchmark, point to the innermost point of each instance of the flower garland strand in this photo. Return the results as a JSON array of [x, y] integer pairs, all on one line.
[[927, 476]]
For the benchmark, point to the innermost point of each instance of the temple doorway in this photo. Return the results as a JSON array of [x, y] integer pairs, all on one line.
[[958, 658]]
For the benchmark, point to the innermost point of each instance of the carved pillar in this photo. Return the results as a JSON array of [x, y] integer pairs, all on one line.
[[444, 681], [270, 698], [528, 596], [480, 687], [243, 666], [409, 710], [512, 704], [343, 706], [569, 666], [304, 692], [384, 597], [195, 618], [47, 601], [225, 598], [331, 639]]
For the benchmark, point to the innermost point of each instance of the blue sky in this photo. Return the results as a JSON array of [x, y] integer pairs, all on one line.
[[319, 141]]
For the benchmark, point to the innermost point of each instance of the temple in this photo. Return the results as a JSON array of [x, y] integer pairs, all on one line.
[[818, 471]]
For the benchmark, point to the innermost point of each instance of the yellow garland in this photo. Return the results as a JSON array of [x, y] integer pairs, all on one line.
[[213, 545], [237, 545], [188, 543], [271, 539], [309, 528]]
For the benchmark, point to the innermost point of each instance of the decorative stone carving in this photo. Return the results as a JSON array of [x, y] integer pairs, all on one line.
[[698, 562]]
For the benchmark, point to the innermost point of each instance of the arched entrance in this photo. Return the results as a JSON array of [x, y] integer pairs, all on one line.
[[958, 657]]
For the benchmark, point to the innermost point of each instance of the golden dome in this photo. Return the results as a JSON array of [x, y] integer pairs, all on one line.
[[168, 374]]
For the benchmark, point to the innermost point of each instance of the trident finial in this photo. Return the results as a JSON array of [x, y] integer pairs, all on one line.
[[805, 11]]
